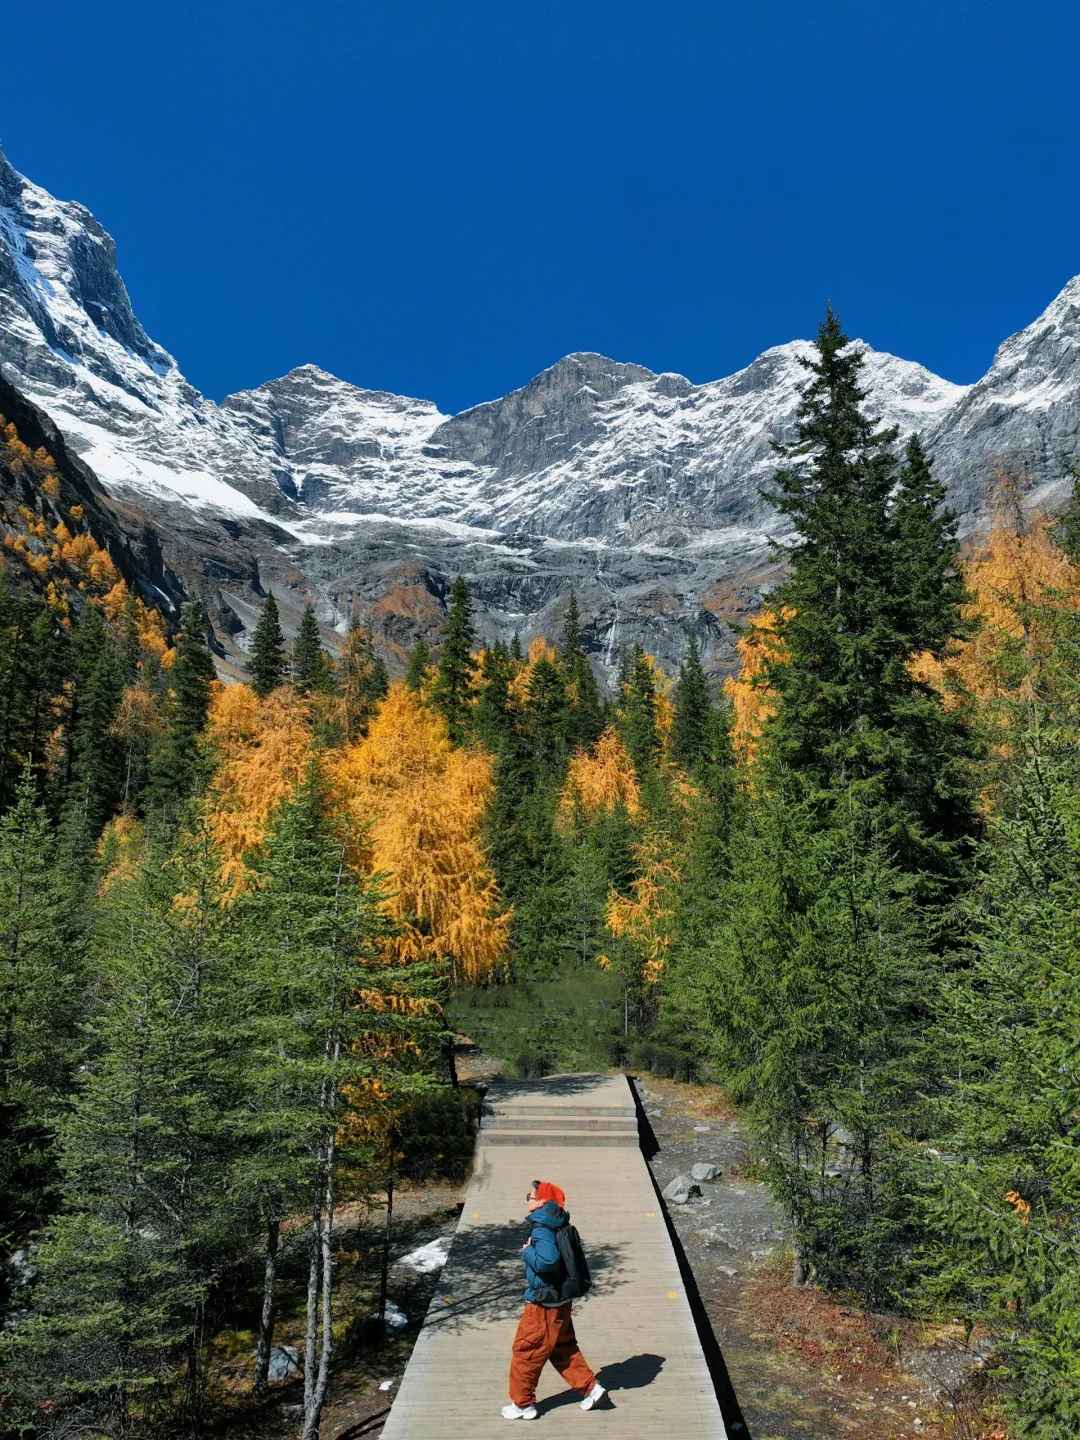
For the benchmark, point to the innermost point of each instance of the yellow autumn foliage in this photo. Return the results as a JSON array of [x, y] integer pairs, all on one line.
[[421, 803], [752, 704], [1020, 569], [601, 779], [262, 747], [644, 916], [518, 689]]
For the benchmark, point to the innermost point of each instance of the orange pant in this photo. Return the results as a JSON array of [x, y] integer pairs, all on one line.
[[545, 1334]]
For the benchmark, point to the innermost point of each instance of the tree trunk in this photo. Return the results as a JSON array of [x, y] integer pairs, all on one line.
[[384, 1274], [798, 1268], [313, 1405], [314, 1266], [266, 1321], [798, 1259]]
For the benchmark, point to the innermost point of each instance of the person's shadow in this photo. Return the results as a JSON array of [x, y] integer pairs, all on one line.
[[632, 1374]]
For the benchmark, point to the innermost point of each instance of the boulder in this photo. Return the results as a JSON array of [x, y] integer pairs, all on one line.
[[284, 1361], [704, 1171], [394, 1318], [681, 1190]]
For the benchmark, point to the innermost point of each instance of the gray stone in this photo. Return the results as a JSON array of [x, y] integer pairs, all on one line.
[[681, 1190], [284, 1361], [704, 1171]]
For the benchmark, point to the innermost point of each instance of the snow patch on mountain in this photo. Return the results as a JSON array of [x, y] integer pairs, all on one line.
[[591, 450]]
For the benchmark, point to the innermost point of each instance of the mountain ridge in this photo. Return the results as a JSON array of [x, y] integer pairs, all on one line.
[[641, 490]]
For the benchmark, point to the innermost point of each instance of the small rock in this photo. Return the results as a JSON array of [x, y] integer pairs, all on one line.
[[22, 1268], [681, 1189], [284, 1361], [393, 1319], [702, 1129], [728, 1271], [704, 1171]]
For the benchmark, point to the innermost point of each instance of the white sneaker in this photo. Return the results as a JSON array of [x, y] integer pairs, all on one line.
[[515, 1412], [596, 1393]]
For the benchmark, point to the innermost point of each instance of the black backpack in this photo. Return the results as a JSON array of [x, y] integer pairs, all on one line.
[[577, 1280]]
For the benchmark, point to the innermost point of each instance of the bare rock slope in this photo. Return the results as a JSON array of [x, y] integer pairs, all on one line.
[[641, 491]]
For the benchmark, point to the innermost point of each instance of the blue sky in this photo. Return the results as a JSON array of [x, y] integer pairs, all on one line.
[[442, 198]]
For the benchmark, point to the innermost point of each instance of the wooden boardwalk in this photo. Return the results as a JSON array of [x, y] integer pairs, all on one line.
[[635, 1328]]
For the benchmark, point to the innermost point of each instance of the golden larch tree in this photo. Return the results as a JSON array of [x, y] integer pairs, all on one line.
[[419, 804]]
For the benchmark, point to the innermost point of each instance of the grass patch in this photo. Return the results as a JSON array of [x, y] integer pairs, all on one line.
[[572, 1021]]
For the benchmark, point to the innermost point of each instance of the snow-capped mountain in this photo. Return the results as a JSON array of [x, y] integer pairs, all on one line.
[[641, 490]]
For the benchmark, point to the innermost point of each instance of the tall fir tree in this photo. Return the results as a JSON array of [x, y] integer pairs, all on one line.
[[493, 721], [44, 998], [637, 712], [858, 834], [453, 683], [127, 1267], [96, 776], [267, 665], [310, 663], [932, 590], [693, 708], [177, 763], [1069, 522], [416, 673], [330, 1019], [363, 680], [1004, 1225], [858, 603], [130, 653], [586, 718]]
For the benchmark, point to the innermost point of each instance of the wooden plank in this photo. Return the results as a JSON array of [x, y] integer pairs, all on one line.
[[635, 1328]]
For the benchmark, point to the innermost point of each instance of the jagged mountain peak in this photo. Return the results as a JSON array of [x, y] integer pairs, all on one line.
[[59, 264], [642, 489]]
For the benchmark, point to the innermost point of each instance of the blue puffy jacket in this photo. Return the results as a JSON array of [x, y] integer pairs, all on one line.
[[543, 1267]]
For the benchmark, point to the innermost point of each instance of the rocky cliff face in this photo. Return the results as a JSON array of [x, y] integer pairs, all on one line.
[[641, 491]]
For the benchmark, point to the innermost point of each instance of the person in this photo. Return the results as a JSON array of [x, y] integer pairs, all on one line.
[[546, 1328]]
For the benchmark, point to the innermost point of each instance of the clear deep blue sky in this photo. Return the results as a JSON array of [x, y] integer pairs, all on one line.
[[443, 198]]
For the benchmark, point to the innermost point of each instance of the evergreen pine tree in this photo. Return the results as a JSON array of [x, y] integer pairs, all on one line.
[[515, 649], [43, 999], [177, 763], [35, 664], [492, 719], [931, 590], [586, 718], [689, 729], [854, 609], [130, 641], [363, 680], [126, 1268], [1004, 1238], [707, 868], [96, 759], [310, 663], [453, 684], [324, 1026], [416, 673], [858, 830], [1069, 523], [267, 664], [637, 713]]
